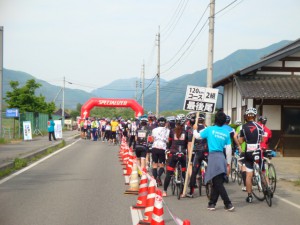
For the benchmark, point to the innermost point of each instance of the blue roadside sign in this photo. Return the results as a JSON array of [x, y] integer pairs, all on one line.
[[12, 112]]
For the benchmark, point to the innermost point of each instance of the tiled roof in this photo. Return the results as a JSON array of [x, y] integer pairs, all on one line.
[[269, 86]]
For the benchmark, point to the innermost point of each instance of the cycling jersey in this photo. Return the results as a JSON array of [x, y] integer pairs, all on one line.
[[161, 137], [142, 136], [252, 133], [178, 143], [199, 144]]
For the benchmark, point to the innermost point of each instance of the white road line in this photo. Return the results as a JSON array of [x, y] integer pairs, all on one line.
[[35, 163], [288, 202], [136, 215]]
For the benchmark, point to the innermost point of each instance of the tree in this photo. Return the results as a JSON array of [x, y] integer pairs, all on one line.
[[25, 100]]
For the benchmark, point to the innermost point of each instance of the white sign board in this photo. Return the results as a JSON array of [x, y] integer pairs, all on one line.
[[201, 99], [27, 132], [58, 129]]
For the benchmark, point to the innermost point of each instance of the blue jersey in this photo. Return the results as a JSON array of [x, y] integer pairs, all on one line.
[[217, 138]]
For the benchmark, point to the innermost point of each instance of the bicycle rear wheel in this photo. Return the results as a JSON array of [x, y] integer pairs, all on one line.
[[233, 169], [173, 185], [179, 184], [257, 188], [272, 177], [239, 177], [200, 184], [208, 187]]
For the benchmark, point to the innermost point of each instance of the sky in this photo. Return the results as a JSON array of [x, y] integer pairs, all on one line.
[[94, 42]]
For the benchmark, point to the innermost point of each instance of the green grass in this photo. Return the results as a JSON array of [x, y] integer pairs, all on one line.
[[297, 183], [21, 163]]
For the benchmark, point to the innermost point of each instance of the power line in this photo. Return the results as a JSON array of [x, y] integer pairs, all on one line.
[[188, 37]]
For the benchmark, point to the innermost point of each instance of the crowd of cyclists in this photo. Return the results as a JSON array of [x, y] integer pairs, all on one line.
[[157, 142]]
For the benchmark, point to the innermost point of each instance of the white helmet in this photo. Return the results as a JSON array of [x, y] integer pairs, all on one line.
[[250, 111], [180, 118]]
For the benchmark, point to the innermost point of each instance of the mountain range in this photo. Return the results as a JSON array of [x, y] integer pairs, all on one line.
[[172, 93]]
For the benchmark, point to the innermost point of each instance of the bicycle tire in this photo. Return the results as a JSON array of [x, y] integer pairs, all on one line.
[[233, 169], [266, 190], [199, 183], [272, 177], [239, 177], [257, 188], [173, 185], [208, 187], [179, 179]]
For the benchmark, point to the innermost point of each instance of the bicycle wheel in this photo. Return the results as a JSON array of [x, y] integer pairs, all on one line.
[[272, 177], [267, 191], [208, 187], [179, 182], [200, 184], [233, 169], [173, 184], [239, 177], [257, 188]]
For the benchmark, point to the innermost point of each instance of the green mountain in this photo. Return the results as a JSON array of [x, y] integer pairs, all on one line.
[[172, 93]]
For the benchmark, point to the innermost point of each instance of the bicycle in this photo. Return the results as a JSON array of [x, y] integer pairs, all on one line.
[[260, 186], [236, 172], [201, 177], [177, 180], [270, 170]]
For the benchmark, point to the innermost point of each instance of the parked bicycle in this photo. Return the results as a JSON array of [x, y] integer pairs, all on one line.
[[260, 186], [201, 176]]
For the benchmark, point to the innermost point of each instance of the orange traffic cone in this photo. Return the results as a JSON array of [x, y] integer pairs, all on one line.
[[143, 191], [149, 203], [158, 210], [134, 182]]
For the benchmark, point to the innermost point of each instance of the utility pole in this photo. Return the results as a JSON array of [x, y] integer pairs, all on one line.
[[63, 104], [1, 77], [210, 52], [136, 89], [143, 83], [158, 75]]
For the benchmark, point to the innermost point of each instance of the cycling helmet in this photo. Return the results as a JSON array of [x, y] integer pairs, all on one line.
[[171, 118], [228, 118], [238, 122], [201, 118], [191, 116], [251, 111], [180, 119], [144, 121], [161, 121]]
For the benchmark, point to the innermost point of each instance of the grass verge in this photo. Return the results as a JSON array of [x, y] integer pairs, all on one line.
[[21, 163], [297, 183]]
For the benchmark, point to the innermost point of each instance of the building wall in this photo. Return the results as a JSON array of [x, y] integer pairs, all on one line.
[[273, 113]]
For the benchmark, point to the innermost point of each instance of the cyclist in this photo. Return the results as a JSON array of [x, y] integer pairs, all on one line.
[[199, 148], [262, 121], [151, 125], [114, 126], [141, 139], [94, 126], [178, 143], [218, 138], [161, 137], [132, 127], [107, 130], [242, 149], [252, 134]]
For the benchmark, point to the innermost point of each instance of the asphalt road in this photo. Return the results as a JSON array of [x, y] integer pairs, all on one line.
[[83, 184]]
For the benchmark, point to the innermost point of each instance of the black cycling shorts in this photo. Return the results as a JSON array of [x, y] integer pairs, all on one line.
[[141, 151], [158, 155]]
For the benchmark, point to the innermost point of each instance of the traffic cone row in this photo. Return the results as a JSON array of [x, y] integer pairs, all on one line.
[[149, 197]]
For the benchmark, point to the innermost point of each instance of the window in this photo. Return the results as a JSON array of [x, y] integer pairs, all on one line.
[[291, 120]]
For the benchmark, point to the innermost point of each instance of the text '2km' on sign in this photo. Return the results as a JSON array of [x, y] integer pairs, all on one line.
[[200, 99]]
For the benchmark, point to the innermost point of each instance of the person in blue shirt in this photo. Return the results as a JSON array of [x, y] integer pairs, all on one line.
[[51, 125], [218, 138]]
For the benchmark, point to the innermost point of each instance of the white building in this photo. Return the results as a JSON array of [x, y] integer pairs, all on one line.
[[272, 86]]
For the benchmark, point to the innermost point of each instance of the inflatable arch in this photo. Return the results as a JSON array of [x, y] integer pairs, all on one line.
[[110, 102]]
